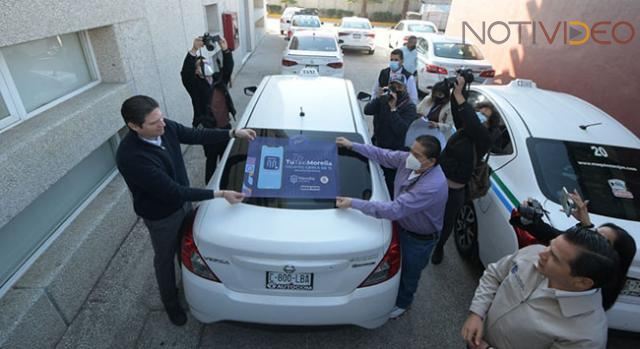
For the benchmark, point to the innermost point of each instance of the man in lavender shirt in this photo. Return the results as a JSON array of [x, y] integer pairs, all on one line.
[[418, 208]]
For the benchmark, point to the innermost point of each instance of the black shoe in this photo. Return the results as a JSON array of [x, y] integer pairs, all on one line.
[[437, 255], [177, 316]]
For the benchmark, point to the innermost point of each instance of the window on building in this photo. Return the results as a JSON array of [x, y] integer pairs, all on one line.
[[38, 74], [21, 238]]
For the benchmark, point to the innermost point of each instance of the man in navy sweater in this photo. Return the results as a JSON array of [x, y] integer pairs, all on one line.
[[150, 160]]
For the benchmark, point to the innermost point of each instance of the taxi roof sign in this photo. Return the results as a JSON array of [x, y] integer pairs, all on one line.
[[523, 83]]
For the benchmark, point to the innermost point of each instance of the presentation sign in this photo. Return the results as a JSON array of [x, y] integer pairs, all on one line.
[[291, 168]]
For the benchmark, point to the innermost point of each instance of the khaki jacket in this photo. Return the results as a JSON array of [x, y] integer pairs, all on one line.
[[445, 118], [520, 311]]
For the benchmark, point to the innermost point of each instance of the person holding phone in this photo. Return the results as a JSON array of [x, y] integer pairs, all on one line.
[[210, 98], [392, 112]]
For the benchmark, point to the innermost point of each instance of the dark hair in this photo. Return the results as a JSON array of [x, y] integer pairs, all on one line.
[[596, 260], [398, 52], [412, 37], [431, 146], [442, 86], [494, 119], [136, 108], [625, 246]]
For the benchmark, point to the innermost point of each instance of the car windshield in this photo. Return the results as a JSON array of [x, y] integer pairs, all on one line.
[[307, 22], [420, 28], [456, 51], [269, 169], [356, 25], [607, 176], [313, 43]]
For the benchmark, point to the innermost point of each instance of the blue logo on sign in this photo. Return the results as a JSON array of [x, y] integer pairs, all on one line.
[[271, 163]]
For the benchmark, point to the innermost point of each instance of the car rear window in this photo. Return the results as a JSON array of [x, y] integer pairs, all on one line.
[[353, 172], [456, 51], [307, 22], [356, 25], [420, 28], [607, 176], [313, 43]]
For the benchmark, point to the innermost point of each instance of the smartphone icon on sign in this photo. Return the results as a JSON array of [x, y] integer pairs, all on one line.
[[270, 176]]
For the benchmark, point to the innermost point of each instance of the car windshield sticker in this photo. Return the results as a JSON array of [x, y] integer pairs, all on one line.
[[619, 189], [291, 168]]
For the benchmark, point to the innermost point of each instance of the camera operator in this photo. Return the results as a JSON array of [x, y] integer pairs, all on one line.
[[457, 159], [392, 112], [529, 217], [210, 97]]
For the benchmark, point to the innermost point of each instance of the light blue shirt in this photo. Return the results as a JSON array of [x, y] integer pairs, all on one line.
[[409, 59]]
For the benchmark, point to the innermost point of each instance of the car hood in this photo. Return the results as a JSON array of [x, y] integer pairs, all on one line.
[[274, 231]]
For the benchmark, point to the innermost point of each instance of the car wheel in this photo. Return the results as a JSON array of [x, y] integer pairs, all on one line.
[[465, 232], [282, 32], [372, 52]]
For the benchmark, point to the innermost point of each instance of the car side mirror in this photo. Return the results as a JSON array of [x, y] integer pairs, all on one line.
[[249, 91], [321, 23], [340, 41], [288, 21], [363, 96]]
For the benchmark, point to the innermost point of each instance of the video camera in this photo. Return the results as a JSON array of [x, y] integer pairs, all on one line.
[[531, 212], [467, 74], [210, 40]]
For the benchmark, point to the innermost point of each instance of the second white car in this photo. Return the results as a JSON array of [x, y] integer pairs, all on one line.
[[356, 33], [313, 49]]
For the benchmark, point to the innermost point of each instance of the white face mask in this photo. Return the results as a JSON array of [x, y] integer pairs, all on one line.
[[412, 163]]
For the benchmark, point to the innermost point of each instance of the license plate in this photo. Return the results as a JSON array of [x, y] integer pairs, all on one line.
[[357, 36], [313, 66], [631, 288], [289, 281]]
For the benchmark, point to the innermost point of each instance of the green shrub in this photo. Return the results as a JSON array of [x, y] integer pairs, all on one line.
[[331, 12], [384, 17], [271, 8]]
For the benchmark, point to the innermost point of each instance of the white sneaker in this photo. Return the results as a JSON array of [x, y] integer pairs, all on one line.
[[396, 312]]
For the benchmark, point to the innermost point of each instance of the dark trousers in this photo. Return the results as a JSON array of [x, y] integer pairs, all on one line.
[[454, 204], [415, 257], [213, 152], [165, 236], [389, 177]]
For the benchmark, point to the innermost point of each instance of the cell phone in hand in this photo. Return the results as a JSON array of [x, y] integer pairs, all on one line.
[[567, 202]]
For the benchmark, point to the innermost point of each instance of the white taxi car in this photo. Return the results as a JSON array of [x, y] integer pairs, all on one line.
[[356, 33], [313, 49], [400, 33], [286, 255], [439, 57], [303, 22], [285, 18], [552, 140]]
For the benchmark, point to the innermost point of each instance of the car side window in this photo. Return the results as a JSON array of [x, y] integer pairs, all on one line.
[[400, 26], [501, 143]]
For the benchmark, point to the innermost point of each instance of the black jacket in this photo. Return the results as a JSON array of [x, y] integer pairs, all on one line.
[[157, 177], [457, 158], [385, 74], [200, 91], [390, 128]]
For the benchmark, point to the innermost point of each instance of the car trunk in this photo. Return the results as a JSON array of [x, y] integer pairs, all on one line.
[[314, 59], [327, 252]]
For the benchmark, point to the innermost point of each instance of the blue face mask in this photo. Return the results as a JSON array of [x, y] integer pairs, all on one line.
[[394, 65], [481, 117]]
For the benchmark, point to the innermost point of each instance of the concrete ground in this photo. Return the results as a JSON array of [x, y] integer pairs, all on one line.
[[124, 309]]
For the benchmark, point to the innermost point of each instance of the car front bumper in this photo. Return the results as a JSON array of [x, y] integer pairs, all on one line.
[[366, 307]]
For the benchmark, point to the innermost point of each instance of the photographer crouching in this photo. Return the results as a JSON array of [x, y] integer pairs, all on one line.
[[210, 97]]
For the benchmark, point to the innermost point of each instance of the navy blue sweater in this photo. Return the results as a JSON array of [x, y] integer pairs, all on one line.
[[157, 176]]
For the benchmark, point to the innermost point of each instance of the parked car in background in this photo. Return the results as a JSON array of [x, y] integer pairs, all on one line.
[[313, 49], [439, 57], [356, 33], [279, 258], [303, 22], [400, 33], [550, 141], [285, 18]]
